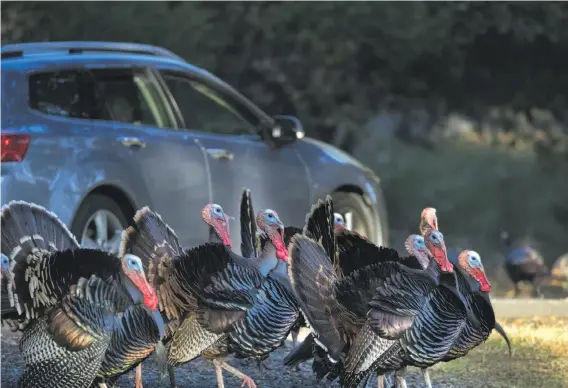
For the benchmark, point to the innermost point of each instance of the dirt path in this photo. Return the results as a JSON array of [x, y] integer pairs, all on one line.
[[200, 373]]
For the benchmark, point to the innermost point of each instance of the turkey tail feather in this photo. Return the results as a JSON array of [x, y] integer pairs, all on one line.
[[499, 329], [320, 225], [248, 226], [313, 279], [363, 354], [153, 241], [356, 251], [301, 353], [27, 227]]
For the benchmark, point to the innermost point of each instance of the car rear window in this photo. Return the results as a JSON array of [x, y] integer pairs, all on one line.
[[121, 95], [58, 94]]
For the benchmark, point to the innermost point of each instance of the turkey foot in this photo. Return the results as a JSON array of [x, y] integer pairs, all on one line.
[[247, 381]]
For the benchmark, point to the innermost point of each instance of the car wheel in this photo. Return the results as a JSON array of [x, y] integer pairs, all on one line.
[[358, 216], [99, 223]]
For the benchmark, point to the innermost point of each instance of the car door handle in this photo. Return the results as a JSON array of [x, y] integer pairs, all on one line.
[[218, 153], [132, 142]]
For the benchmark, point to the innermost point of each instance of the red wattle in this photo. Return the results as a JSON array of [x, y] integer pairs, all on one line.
[[150, 297], [281, 251], [480, 276]]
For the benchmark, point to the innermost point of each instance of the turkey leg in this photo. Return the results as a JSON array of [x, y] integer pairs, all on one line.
[[219, 373], [426, 375], [172, 376], [380, 381], [138, 377], [295, 338], [400, 378]]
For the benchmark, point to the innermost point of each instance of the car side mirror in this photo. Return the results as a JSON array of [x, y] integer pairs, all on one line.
[[286, 129]]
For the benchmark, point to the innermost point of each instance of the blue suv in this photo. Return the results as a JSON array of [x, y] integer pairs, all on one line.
[[95, 130]]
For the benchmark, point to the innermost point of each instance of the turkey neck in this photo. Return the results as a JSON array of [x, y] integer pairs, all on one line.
[[131, 288], [268, 260], [272, 266], [213, 236], [434, 270]]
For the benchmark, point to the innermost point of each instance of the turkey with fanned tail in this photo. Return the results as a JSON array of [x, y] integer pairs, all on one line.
[[357, 249], [360, 317], [71, 303], [353, 252]]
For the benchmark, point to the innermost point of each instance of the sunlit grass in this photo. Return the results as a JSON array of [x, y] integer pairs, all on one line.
[[540, 358]]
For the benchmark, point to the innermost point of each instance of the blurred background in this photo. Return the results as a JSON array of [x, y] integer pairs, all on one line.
[[459, 106]]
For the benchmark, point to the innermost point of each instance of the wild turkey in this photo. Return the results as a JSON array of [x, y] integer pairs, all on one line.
[[428, 220], [475, 287], [524, 263], [420, 257], [69, 302], [253, 244], [353, 252], [338, 222], [214, 298], [559, 273], [337, 309], [218, 222]]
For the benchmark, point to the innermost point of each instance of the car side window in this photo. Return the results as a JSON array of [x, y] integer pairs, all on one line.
[[203, 109], [119, 95]]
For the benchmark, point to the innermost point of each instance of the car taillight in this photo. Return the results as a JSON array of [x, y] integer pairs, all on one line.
[[14, 147]]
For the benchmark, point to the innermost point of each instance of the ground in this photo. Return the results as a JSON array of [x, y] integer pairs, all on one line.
[[539, 360]]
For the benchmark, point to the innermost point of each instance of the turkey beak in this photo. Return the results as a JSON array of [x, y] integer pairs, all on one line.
[[339, 226], [158, 320]]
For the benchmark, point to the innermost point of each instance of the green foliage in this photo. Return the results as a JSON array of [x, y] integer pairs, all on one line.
[[336, 65]]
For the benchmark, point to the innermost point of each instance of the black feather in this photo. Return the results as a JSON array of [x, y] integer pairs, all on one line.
[[320, 226], [248, 226]]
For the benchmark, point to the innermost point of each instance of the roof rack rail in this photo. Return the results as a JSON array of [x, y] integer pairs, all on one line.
[[20, 49]]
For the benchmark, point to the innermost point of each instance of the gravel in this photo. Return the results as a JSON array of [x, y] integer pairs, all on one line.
[[201, 373]]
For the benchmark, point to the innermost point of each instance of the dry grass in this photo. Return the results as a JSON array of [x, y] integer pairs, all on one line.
[[540, 349]]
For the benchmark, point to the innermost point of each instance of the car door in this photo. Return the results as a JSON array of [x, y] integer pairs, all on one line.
[[237, 157], [131, 105]]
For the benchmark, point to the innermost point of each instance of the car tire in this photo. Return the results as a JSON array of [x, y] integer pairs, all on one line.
[[362, 216], [89, 223]]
